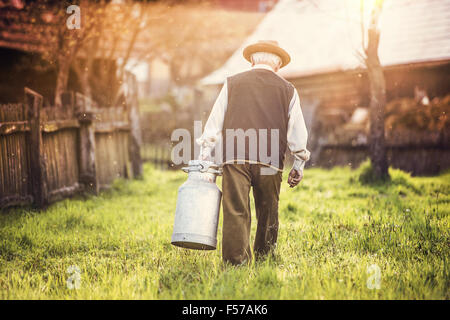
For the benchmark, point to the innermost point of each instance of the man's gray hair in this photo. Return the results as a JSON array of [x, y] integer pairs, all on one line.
[[261, 57]]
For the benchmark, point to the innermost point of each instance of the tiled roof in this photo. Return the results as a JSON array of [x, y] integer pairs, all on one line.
[[324, 35]]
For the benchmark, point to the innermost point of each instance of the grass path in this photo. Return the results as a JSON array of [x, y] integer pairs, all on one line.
[[331, 230]]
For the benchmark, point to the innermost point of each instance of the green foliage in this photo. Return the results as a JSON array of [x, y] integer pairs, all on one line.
[[147, 105], [398, 180], [332, 228], [367, 174], [153, 105]]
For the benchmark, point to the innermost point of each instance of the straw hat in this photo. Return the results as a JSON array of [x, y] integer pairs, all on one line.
[[267, 46]]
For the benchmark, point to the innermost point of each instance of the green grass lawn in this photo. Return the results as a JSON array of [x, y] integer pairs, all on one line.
[[332, 229]]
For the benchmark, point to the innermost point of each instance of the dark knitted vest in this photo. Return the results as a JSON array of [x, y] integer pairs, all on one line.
[[257, 99]]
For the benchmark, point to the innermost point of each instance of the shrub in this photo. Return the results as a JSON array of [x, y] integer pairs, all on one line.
[[366, 174]]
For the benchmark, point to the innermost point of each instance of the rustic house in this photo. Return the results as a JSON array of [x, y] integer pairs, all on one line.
[[48, 152], [37, 49], [324, 39]]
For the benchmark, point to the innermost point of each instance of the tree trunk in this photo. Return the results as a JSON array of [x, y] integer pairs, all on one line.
[[81, 68], [135, 137], [62, 78], [84, 81], [68, 44], [377, 147], [377, 141]]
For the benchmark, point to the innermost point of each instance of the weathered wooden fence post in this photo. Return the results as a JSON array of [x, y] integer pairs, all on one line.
[[86, 117], [135, 138], [33, 102]]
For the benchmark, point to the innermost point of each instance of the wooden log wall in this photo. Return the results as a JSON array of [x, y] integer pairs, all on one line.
[[49, 153]]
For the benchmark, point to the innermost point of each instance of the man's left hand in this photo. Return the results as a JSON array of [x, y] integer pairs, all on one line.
[[295, 176]]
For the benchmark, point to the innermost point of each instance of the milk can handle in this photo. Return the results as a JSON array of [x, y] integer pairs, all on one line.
[[202, 169], [218, 172]]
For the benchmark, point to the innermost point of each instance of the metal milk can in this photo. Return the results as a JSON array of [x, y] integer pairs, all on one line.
[[198, 205]]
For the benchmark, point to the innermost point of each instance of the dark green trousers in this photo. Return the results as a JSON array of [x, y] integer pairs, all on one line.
[[236, 183]]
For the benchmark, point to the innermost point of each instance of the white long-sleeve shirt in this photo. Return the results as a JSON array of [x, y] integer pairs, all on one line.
[[297, 135]]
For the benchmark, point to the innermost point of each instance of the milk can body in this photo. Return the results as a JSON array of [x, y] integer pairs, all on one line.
[[197, 210]]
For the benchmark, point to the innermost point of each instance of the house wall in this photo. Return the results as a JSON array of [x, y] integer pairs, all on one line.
[[348, 90], [247, 5], [329, 100]]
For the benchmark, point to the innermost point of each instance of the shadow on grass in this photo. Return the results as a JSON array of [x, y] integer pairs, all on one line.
[[16, 213]]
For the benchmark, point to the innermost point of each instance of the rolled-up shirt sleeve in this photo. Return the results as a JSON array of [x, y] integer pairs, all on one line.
[[212, 132], [297, 135]]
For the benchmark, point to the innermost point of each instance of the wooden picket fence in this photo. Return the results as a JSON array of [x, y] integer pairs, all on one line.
[[48, 153], [159, 155]]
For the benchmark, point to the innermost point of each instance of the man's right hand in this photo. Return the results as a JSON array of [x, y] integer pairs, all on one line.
[[205, 154], [295, 176]]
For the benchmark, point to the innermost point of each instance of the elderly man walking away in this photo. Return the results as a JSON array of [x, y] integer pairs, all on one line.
[[258, 101]]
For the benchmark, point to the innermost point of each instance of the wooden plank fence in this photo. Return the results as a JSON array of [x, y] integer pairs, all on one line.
[[159, 155], [48, 153]]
